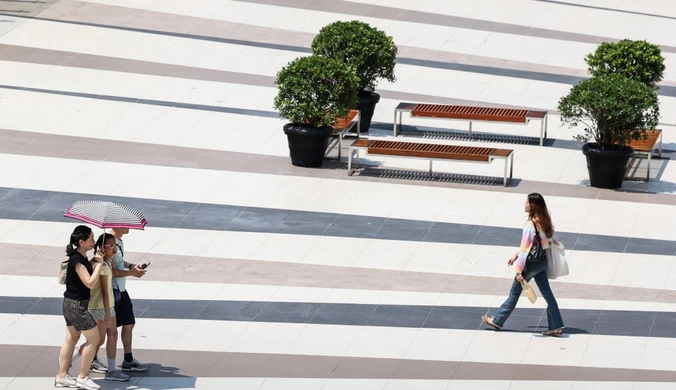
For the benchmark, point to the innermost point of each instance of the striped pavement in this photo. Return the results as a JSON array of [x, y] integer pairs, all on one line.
[[269, 276]]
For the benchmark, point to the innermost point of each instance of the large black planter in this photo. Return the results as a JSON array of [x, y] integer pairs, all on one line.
[[366, 105], [607, 168], [307, 145]]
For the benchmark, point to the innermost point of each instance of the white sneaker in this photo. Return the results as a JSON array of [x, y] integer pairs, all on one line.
[[86, 383], [66, 381]]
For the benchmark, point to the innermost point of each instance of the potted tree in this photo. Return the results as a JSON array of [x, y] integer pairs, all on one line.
[[613, 110], [370, 51], [637, 60], [312, 92]]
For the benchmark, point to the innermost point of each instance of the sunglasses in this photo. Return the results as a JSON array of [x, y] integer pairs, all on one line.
[[111, 246]]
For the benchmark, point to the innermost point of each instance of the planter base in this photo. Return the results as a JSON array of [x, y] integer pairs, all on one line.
[[307, 145], [607, 168], [367, 105]]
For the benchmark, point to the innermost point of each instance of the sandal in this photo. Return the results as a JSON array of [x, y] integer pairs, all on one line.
[[489, 321], [553, 333]]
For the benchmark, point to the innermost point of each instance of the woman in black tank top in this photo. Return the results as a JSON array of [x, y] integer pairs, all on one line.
[[81, 276]]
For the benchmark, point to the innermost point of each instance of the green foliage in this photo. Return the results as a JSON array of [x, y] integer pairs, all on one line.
[[614, 110], [637, 60], [370, 51], [313, 91]]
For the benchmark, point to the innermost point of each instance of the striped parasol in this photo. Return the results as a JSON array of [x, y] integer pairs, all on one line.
[[106, 215]]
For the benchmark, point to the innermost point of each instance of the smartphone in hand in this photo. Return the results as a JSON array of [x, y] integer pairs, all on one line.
[[145, 265]]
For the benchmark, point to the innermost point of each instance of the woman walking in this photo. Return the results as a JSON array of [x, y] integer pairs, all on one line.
[[81, 277], [538, 228]]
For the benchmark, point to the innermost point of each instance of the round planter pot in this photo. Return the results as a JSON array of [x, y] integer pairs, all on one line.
[[307, 145], [607, 168], [366, 105]]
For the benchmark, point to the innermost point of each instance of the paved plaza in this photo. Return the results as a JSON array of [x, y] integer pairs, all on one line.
[[268, 276]]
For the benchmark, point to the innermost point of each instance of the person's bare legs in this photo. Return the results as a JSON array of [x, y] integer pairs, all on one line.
[[101, 326], [111, 342], [89, 350], [66, 354], [126, 337]]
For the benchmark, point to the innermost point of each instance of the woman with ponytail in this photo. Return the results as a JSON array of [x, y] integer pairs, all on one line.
[[538, 228], [81, 277]]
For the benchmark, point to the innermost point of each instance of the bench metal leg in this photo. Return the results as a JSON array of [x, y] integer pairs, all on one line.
[[511, 165], [504, 180], [543, 130], [340, 145], [431, 161], [470, 129], [394, 123], [660, 146], [401, 116], [508, 161], [647, 177], [358, 124], [349, 161]]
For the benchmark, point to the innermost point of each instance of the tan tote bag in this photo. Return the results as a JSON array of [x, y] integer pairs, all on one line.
[[528, 290]]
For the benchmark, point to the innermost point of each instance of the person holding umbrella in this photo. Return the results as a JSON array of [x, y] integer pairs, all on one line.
[[118, 218], [81, 277], [124, 306]]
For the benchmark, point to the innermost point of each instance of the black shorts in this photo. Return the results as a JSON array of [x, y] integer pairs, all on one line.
[[76, 313], [124, 310]]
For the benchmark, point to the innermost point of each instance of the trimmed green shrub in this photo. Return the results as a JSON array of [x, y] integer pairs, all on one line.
[[637, 60], [370, 51], [614, 110], [313, 91]]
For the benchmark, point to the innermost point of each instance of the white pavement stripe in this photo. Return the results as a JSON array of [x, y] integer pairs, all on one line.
[[598, 268], [161, 125], [99, 118], [34, 286], [550, 15], [194, 92], [411, 79], [495, 208], [272, 383], [367, 341], [429, 36]]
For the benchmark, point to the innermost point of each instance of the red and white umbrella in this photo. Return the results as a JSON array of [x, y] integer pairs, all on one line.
[[106, 215]]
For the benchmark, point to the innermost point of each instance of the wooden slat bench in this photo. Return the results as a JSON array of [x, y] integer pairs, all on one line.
[[341, 128], [471, 114], [647, 147], [432, 152]]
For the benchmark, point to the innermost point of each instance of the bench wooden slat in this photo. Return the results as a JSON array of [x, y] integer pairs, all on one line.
[[470, 113], [536, 114], [501, 152], [436, 151], [432, 152], [342, 123], [646, 145]]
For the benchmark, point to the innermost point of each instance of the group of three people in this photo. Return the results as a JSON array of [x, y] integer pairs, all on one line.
[[93, 307], [89, 293]]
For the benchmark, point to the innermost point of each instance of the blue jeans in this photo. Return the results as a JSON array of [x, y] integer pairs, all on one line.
[[539, 273]]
